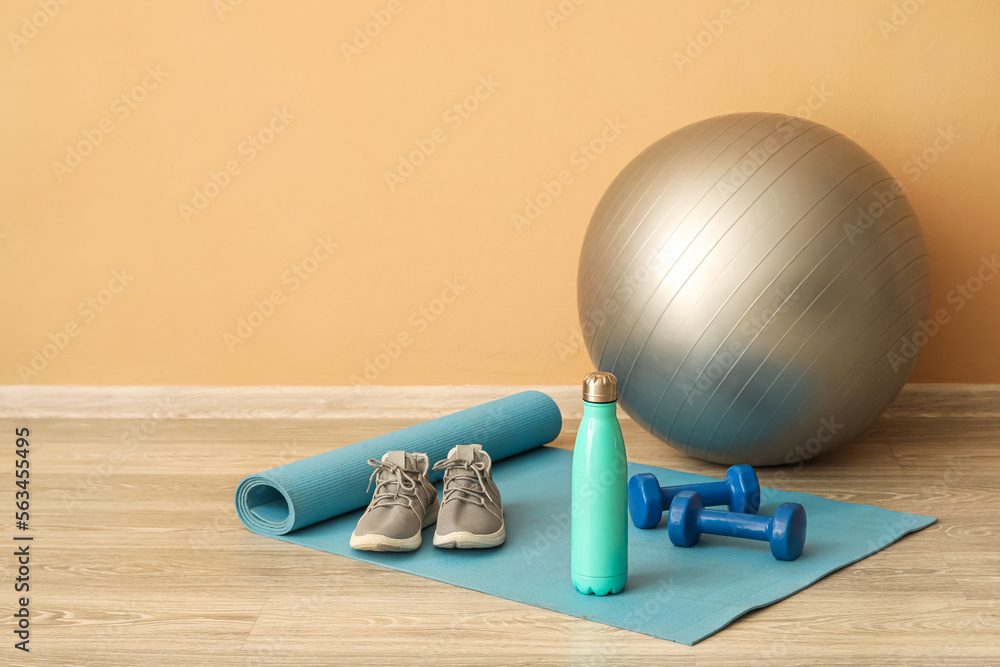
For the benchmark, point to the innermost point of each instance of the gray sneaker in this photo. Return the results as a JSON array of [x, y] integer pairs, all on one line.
[[471, 515], [404, 502]]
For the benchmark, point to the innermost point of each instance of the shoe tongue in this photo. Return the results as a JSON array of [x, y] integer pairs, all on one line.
[[468, 453], [405, 460], [465, 477], [397, 458]]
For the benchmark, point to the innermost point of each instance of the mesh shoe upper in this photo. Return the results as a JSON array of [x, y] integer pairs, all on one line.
[[402, 496], [471, 501]]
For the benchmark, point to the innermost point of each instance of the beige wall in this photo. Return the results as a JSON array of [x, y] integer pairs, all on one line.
[[149, 265]]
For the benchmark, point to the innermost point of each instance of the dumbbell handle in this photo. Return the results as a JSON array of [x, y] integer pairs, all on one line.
[[712, 493], [749, 526], [785, 531]]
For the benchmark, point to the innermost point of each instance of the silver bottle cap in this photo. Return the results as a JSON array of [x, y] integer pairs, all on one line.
[[600, 388]]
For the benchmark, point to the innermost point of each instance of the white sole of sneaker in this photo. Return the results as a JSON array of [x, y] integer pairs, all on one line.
[[466, 540], [372, 542], [384, 543]]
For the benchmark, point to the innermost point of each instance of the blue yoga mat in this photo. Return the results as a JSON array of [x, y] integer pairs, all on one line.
[[299, 494], [683, 595]]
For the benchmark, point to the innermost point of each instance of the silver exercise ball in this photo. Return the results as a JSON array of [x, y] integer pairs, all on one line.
[[758, 283]]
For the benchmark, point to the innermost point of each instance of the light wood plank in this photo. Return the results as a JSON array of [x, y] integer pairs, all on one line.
[[263, 402], [377, 402]]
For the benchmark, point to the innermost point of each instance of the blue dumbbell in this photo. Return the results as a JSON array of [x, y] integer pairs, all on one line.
[[785, 531], [647, 500]]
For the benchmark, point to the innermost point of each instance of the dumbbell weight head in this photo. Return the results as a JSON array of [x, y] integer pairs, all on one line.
[[647, 500], [644, 502], [788, 531], [745, 489], [682, 522]]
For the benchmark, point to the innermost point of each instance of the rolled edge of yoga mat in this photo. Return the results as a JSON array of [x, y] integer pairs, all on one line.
[[295, 495]]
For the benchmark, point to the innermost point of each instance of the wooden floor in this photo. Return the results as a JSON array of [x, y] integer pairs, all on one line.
[[139, 559]]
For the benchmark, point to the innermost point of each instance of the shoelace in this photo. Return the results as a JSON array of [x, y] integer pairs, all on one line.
[[404, 480], [455, 492]]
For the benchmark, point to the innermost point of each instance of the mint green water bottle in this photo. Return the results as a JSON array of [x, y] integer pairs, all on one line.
[[599, 516]]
